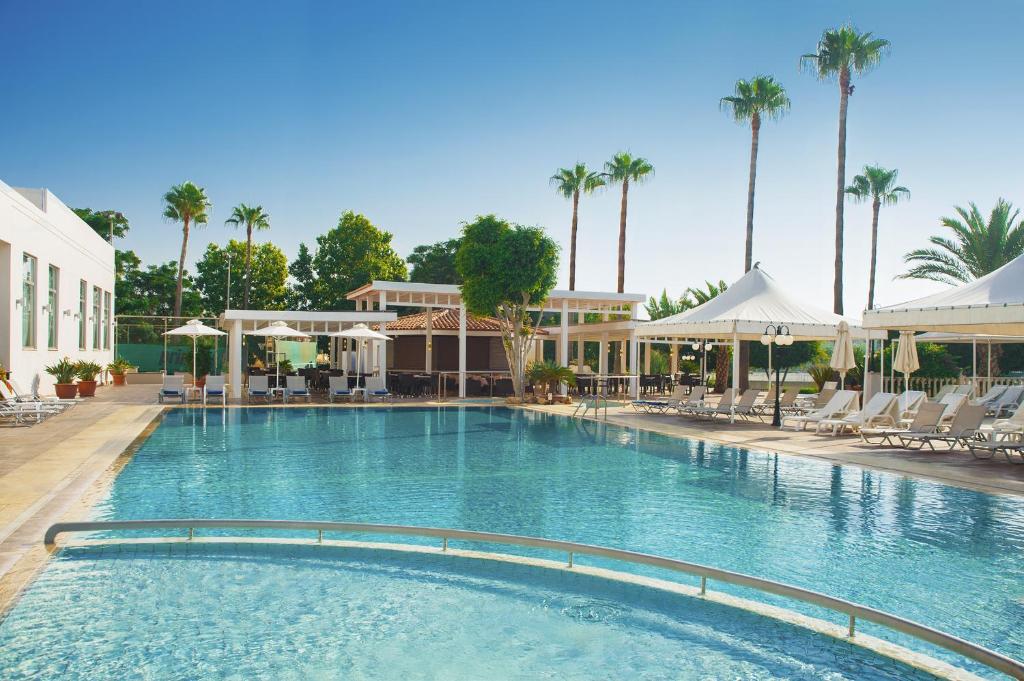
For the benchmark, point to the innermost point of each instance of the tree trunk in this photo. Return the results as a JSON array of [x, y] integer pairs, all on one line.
[[723, 355], [622, 237], [248, 266], [875, 206], [572, 241], [748, 257], [844, 98], [181, 268]]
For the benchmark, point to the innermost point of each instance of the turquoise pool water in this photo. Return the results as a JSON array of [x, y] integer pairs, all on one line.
[[940, 555]]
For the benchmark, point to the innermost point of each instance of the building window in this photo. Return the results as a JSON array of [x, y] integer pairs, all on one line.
[[83, 304], [106, 320], [52, 303], [28, 301], [97, 296]]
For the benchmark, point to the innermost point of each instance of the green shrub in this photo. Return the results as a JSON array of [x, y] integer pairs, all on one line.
[[63, 371], [86, 371]]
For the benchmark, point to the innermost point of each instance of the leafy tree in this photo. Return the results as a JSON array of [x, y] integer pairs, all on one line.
[[659, 308], [976, 249], [786, 357], [841, 52], [879, 186], [100, 221], [550, 375], [185, 203], [267, 288], [504, 270], [150, 291], [302, 293], [754, 99], [626, 169], [569, 182], [936, 360], [253, 217], [435, 263]]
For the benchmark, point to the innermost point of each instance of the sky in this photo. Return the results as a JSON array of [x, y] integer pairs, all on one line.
[[423, 115]]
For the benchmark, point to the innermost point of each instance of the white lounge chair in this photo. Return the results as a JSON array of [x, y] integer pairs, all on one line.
[[295, 386], [692, 401], [724, 402], [953, 401], [880, 410], [659, 406], [50, 400], [943, 391], [337, 387], [259, 386], [172, 388], [926, 420], [11, 399], [839, 406], [215, 389], [909, 402], [1009, 427], [786, 403], [375, 389], [965, 389], [21, 413], [966, 426], [1008, 401], [991, 397]]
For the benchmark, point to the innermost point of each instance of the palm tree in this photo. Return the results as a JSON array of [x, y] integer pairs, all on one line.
[[841, 53], [659, 308], [187, 204], [569, 182], [625, 168], [253, 217], [879, 185], [977, 248], [754, 99]]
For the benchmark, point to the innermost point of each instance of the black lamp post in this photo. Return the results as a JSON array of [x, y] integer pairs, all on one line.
[[779, 335]]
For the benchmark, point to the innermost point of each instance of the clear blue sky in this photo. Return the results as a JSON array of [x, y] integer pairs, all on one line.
[[422, 115]]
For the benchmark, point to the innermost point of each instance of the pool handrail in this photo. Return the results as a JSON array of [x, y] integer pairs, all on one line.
[[985, 656]]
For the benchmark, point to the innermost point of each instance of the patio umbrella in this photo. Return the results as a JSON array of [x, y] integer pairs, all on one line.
[[843, 358], [906, 357], [278, 330], [361, 333], [194, 329]]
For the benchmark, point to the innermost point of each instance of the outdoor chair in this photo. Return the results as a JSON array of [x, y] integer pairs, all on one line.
[[259, 386], [953, 403], [172, 388], [813, 402], [11, 397], [990, 449], [742, 407], [965, 389], [943, 391], [830, 385], [20, 413], [837, 407], [1009, 427], [926, 420], [991, 397], [214, 389], [296, 386], [724, 402], [786, 403], [909, 402], [660, 406], [375, 389], [337, 387], [966, 426], [693, 400], [25, 396], [1008, 401], [880, 410]]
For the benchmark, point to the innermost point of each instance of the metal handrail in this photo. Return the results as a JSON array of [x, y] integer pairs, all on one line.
[[989, 658]]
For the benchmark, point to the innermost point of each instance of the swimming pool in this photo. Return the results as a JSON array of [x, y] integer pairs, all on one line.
[[940, 555]]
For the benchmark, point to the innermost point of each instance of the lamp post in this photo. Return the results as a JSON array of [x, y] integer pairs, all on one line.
[[779, 335]]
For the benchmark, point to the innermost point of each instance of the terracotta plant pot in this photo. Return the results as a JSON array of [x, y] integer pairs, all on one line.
[[87, 388], [67, 391], [118, 379]]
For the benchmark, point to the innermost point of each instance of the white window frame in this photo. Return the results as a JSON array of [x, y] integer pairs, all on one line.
[[52, 307], [97, 304], [83, 311], [29, 289]]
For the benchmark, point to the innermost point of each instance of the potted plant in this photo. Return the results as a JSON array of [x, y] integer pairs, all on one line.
[[86, 372], [285, 366], [549, 376], [64, 373], [118, 368]]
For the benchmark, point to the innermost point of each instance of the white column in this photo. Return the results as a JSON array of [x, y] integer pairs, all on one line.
[[602, 355], [382, 359], [580, 343], [428, 360], [235, 357], [383, 300], [647, 357], [673, 359], [634, 364], [462, 350], [563, 342], [735, 374], [344, 358]]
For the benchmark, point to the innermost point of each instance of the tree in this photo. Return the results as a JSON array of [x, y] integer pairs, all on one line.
[[150, 291], [976, 249], [879, 186], [504, 270], [435, 263], [842, 52], [267, 288], [626, 169], [659, 308], [253, 217], [754, 99], [185, 203], [569, 182], [103, 222], [302, 294], [692, 297], [786, 357]]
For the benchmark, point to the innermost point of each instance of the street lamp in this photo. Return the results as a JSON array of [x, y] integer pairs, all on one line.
[[779, 335]]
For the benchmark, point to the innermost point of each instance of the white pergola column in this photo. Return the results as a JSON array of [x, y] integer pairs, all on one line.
[[563, 343], [602, 355], [428, 360], [344, 359], [382, 360], [580, 344], [673, 359], [462, 350], [647, 357], [735, 374], [383, 304], [235, 357], [634, 364]]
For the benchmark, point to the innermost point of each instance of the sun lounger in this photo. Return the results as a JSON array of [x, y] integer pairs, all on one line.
[[337, 387], [1008, 401], [966, 389], [829, 385], [214, 389], [926, 420], [10, 398], [953, 403], [910, 401], [1012, 426], [725, 401], [650, 406], [693, 400], [22, 413], [966, 426], [745, 407], [837, 407], [991, 397], [295, 386], [25, 396], [987, 450], [943, 391], [879, 411], [259, 386], [172, 388], [786, 403], [375, 389]]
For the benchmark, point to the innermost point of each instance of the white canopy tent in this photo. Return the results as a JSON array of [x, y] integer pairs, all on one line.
[[745, 310]]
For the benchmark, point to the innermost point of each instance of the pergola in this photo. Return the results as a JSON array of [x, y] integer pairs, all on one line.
[[619, 313]]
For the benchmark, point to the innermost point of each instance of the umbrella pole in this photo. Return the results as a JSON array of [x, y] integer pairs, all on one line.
[[974, 362], [193, 361]]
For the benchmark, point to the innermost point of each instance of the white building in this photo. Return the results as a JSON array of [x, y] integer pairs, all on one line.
[[56, 287]]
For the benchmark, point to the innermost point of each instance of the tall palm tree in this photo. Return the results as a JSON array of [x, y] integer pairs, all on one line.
[[977, 248], [841, 53], [253, 217], [625, 168], [878, 185], [569, 182], [185, 203], [754, 99]]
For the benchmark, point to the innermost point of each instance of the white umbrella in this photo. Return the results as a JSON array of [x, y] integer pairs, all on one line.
[[906, 360], [361, 333], [278, 330], [194, 329], [843, 358]]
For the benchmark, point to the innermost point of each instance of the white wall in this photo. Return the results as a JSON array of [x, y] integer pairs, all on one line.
[[34, 221]]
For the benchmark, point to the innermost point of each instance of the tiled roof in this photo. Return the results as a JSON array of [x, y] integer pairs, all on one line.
[[445, 319]]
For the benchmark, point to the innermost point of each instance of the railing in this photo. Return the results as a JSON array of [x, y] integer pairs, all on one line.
[[853, 611], [932, 385], [492, 376]]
